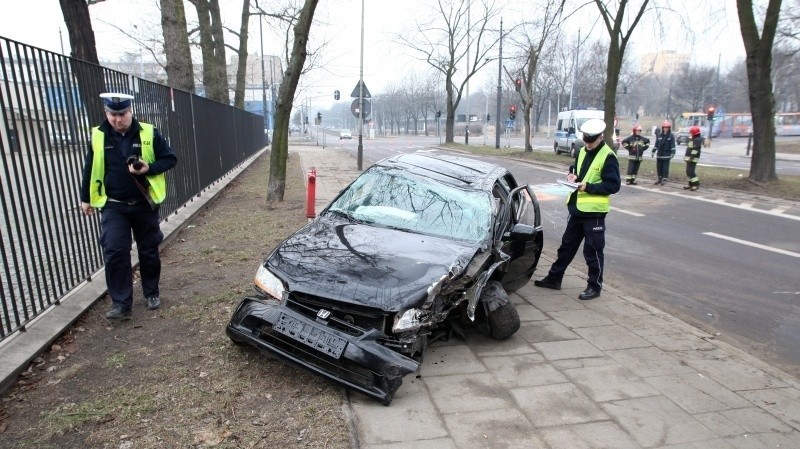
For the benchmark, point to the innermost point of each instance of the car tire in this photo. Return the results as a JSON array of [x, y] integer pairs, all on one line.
[[555, 147], [573, 152], [502, 322]]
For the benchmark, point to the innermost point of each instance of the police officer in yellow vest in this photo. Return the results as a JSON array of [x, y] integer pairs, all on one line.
[[596, 171], [123, 178]]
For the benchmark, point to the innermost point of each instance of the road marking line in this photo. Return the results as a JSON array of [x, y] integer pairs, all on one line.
[[778, 210], [635, 214], [754, 245], [722, 202]]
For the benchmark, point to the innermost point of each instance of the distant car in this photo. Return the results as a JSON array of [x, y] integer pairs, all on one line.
[[416, 249], [345, 134]]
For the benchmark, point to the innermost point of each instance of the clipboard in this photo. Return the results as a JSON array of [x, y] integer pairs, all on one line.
[[571, 185]]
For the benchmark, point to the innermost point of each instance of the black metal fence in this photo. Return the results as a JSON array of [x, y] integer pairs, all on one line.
[[48, 105]]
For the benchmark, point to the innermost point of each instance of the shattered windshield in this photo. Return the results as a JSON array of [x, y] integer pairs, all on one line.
[[397, 199]]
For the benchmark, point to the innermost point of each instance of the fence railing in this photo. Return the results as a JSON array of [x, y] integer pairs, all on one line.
[[48, 104]]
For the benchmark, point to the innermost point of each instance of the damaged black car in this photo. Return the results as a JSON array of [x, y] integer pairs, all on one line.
[[418, 248]]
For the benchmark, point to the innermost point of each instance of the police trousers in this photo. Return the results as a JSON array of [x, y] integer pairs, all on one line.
[[590, 231], [118, 221]]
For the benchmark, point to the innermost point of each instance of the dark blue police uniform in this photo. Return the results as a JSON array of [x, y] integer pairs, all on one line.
[[128, 211]]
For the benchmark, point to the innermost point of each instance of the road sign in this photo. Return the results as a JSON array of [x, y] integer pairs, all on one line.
[[354, 108], [356, 93], [509, 123]]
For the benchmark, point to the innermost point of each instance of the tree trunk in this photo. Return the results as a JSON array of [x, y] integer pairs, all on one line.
[[179, 68], [283, 111], [220, 66], [450, 120], [614, 62], [81, 40], [241, 69], [215, 79], [759, 77]]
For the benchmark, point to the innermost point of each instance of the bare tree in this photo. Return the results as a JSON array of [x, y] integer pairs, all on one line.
[[451, 39], [697, 84], [759, 76], [619, 30], [81, 40], [280, 143], [180, 71], [534, 37]]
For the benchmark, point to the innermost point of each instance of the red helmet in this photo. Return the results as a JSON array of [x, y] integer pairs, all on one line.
[[666, 124], [694, 130], [637, 128]]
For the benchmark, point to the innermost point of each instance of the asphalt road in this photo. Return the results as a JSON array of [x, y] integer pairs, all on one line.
[[727, 267]]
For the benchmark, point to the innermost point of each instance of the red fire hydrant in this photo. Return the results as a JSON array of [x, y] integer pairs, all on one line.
[[311, 193]]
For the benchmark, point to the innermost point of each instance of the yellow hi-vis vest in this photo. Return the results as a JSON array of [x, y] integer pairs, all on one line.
[[97, 191], [588, 202]]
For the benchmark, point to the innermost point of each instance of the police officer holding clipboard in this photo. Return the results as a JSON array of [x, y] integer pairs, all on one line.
[[596, 173]]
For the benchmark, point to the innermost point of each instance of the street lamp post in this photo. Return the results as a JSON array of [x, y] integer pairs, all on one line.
[[263, 74]]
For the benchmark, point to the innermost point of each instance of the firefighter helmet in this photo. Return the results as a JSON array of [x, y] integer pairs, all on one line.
[[666, 124], [694, 130]]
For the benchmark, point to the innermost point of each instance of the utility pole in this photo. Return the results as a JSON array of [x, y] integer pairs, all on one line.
[[263, 74], [361, 96], [499, 90], [574, 69], [466, 130]]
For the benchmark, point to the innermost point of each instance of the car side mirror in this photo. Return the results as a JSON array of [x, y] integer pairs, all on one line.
[[571, 130], [521, 232]]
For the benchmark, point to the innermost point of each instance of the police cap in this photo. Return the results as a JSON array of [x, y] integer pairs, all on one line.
[[593, 127], [116, 102]]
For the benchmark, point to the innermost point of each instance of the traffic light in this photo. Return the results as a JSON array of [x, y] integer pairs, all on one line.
[[711, 111], [488, 118], [518, 84], [512, 112], [319, 118], [335, 94], [438, 114]]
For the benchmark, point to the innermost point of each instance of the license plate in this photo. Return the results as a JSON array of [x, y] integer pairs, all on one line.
[[311, 335]]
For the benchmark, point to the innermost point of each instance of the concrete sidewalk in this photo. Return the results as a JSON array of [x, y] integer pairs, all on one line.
[[609, 373]]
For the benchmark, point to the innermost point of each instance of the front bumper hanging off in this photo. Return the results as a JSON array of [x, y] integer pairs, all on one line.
[[354, 359]]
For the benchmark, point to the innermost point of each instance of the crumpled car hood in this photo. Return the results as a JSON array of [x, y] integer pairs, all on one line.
[[367, 265]]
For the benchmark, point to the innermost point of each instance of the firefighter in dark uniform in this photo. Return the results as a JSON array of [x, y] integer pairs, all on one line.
[[636, 144], [124, 178], [692, 156], [664, 150], [596, 171]]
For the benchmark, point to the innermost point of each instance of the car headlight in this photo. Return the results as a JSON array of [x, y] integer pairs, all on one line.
[[269, 283], [407, 321]]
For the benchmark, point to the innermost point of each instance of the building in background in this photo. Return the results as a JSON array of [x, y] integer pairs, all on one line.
[[665, 62]]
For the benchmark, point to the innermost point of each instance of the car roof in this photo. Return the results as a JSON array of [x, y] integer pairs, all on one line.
[[455, 170]]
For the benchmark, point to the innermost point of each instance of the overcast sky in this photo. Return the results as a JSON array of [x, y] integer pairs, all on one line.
[[40, 23]]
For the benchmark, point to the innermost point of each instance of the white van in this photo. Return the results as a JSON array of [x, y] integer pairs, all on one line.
[[567, 136]]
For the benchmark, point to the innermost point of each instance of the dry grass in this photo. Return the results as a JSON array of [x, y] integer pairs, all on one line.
[[171, 378]]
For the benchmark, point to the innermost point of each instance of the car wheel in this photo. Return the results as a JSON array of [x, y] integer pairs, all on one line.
[[555, 147], [573, 152], [502, 322]]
